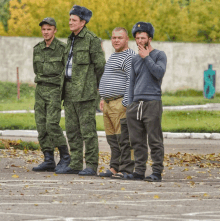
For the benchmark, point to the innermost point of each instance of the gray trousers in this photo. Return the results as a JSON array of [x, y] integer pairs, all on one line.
[[144, 121]]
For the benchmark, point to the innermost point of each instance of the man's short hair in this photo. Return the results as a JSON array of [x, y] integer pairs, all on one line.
[[121, 29]]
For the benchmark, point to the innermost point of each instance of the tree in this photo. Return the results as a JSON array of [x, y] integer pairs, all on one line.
[[4, 13], [174, 20]]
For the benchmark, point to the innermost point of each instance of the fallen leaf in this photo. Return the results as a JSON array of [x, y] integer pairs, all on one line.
[[15, 176], [123, 188], [156, 197]]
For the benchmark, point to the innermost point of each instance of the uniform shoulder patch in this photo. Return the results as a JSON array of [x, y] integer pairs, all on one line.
[[37, 45], [93, 34], [62, 43]]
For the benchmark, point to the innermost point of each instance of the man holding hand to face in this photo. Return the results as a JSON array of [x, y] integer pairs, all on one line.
[[144, 112]]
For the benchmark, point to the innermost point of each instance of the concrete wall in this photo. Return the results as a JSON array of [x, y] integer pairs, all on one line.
[[185, 67]]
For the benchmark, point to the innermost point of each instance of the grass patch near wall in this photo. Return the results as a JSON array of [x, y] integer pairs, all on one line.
[[8, 96], [19, 144], [9, 101], [172, 121], [27, 122]]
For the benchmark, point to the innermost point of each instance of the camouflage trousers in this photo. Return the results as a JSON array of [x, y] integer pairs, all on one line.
[[80, 126], [47, 116]]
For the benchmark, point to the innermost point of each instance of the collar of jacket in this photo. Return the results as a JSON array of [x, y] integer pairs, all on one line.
[[52, 45], [81, 34]]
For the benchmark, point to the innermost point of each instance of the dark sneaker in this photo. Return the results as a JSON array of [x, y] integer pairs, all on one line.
[[67, 170], [154, 177], [107, 173], [87, 172], [133, 176]]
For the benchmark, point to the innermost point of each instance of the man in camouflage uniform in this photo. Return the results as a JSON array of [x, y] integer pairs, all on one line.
[[85, 63], [48, 61]]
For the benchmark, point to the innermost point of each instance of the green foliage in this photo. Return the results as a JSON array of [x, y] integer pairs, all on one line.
[[174, 20], [4, 14]]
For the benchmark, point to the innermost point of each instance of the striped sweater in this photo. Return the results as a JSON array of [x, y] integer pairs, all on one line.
[[116, 77]]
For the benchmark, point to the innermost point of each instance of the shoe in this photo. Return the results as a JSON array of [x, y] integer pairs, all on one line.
[[119, 175], [67, 170], [108, 173], [133, 176], [87, 172], [154, 177], [64, 158], [48, 164]]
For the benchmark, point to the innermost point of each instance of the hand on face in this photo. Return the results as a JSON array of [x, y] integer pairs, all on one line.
[[143, 52]]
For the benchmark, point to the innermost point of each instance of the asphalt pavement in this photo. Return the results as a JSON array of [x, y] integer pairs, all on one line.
[[190, 189]]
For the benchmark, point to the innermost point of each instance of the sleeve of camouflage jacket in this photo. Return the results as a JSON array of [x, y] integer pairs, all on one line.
[[97, 58], [34, 64]]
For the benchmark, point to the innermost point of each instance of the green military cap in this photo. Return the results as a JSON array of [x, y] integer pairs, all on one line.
[[48, 20]]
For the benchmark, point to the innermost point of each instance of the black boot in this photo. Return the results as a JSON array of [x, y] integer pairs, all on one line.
[[64, 158], [48, 164]]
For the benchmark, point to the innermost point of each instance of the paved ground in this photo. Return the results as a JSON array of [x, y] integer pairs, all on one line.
[[190, 189]]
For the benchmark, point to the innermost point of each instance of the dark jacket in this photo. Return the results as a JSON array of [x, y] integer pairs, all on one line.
[[146, 76]]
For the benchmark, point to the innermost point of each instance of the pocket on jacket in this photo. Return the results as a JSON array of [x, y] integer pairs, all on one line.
[[39, 61], [82, 57]]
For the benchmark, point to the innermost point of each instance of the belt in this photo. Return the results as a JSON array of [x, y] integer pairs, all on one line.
[[68, 79], [108, 99], [48, 84]]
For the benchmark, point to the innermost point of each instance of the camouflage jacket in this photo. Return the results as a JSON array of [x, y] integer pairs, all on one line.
[[87, 65], [48, 62]]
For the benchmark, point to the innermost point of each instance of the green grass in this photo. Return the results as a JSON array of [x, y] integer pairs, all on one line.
[[19, 144], [9, 101], [8, 96], [172, 121], [27, 122]]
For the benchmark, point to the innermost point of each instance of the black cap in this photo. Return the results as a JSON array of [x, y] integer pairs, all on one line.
[[49, 21]]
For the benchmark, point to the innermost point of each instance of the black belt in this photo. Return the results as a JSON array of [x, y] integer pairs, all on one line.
[[107, 100], [68, 79], [48, 84]]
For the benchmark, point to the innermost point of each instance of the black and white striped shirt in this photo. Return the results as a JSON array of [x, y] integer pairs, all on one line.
[[116, 77]]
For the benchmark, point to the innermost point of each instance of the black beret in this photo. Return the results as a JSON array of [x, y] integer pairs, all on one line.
[[82, 12], [143, 27]]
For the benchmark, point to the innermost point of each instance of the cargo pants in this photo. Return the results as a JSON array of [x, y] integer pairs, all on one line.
[[47, 116], [80, 123]]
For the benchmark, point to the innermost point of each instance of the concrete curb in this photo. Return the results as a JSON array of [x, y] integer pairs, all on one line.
[[167, 135]]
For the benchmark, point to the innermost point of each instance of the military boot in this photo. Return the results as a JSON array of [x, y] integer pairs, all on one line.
[[48, 164], [64, 158]]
